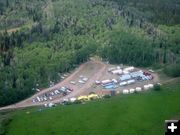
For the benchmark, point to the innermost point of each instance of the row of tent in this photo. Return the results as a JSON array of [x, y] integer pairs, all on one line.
[[138, 89], [120, 71], [87, 97], [73, 99]]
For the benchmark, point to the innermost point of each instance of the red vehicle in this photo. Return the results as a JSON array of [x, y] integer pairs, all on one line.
[[70, 89], [146, 73]]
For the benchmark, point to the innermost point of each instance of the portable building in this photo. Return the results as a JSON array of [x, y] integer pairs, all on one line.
[[114, 80], [111, 69], [107, 84], [125, 77], [125, 72], [137, 74], [123, 83], [119, 71], [106, 81], [129, 69], [109, 87], [130, 81]]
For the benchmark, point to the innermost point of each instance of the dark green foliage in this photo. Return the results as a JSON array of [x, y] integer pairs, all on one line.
[[4, 122], [106, 96], [156, 11], [157, 87], [77, 102], [173, 70], [129, 49]]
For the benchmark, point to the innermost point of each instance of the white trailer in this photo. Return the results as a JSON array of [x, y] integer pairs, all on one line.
[[111, 69], [131, 81], [125, 72], [129, 69], [106, 81], [123, 83], [119, 71]]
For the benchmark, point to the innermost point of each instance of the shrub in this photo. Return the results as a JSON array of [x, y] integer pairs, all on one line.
[[157, 87], [172, 70], [106, 96]]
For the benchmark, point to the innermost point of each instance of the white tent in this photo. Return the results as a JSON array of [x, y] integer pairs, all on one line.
[[73, 99], [150, 85], [132, 90], [125, 91], [51, 104], [146, 87]]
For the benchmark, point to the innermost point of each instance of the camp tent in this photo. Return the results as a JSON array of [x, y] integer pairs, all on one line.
[[84, 98], [93, 96], [138, 89]]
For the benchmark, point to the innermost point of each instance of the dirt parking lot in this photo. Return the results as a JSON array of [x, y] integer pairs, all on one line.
[[93, 70]]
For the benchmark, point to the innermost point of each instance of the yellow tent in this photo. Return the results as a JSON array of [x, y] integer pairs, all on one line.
[[92, 96], [83, 98]]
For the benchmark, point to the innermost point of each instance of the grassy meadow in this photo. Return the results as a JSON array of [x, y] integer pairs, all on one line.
[[137, 114]]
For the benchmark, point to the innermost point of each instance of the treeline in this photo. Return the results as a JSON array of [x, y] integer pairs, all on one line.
[[156, 11], [17, 13], [23, 67], [129, 48]]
